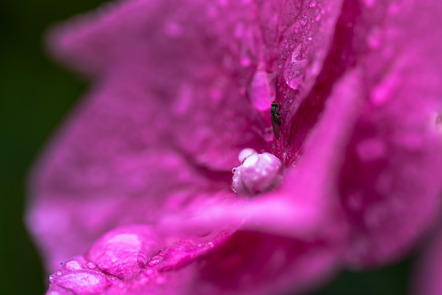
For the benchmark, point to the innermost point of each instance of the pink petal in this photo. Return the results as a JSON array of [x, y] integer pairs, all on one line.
[[162, 75], [390, 182]]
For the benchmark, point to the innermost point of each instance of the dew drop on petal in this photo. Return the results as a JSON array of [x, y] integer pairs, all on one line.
[[123, 252], [257, 174], [244, 154], [294, 69], [260, 90], [83, 282], [72, 265], [268, 134]]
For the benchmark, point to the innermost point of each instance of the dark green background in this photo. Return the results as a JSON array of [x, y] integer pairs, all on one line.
[[35, 95]]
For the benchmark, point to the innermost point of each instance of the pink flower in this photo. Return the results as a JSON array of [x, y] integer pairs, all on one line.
[[136, 188]]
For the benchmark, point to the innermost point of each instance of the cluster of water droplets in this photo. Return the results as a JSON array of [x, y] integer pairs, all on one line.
[[257, 173], [80, 276]]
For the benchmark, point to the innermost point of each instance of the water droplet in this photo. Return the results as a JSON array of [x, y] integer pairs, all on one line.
[[257, 174], [261, 92], [91, 265], [383, 92], [121, 251], [245, 153], [268, 134], [245, 61], [58, 273], [371, 149], [51, 278], [72, 265], [313, 3], [83, 282], [294, 69]]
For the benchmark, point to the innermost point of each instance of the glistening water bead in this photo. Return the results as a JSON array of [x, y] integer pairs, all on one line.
[[257, 173]]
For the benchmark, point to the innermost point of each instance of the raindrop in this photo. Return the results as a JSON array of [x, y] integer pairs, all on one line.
[[245, 153], [91, 265], [72, 265], [294, 70], [83, 282], [313, 3], [260, 91], [268, 134]]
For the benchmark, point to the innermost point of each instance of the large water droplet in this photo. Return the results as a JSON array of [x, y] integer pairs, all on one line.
[[72, 265], [260, 91], [83, 282], [123, 251], [294, 69], [244, 154]]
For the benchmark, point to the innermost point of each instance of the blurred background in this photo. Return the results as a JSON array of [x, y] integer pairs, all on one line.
[[35, 95]]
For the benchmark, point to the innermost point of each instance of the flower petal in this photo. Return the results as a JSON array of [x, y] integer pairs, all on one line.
[[390, 181]]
